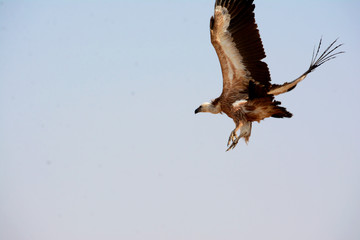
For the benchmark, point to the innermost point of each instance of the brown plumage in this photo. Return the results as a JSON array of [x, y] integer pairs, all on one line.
[[247, 94]]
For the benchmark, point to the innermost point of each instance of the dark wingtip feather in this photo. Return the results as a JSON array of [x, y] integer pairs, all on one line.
[[327, 55], [212, 22]]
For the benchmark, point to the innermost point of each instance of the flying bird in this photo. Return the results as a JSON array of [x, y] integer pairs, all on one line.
[[248, 94]]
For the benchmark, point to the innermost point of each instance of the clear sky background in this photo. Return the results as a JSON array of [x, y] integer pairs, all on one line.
[[98, 137]]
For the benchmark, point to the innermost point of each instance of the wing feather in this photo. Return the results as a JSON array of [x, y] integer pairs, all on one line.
[[236, 39]]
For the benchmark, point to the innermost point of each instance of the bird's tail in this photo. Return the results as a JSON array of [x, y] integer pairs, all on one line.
[[316, 61], [280, 112], [261, 108]]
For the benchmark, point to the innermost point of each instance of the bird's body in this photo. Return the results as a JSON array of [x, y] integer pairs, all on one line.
[[248, 94]]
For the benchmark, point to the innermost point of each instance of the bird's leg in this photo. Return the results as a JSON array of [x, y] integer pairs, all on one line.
[[245, 132], [235, 142], [234, 137]]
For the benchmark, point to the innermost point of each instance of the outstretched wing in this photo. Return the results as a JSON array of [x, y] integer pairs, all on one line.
[[237, 42]]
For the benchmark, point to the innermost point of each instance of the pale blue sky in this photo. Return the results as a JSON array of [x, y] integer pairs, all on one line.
[[98, 137]]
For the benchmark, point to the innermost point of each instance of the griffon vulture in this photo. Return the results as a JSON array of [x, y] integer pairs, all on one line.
[[248, 94]]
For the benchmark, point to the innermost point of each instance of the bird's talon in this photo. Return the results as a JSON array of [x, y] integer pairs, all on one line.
[[233, 136], [234, 143]]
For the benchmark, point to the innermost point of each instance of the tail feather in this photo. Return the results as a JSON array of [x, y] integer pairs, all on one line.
[[261, 108], [281, 112], [316, 61]]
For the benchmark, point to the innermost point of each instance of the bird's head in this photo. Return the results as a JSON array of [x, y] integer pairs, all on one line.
[[208, 107]]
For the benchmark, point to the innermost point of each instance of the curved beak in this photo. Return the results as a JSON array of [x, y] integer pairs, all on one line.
[[197, 110]]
